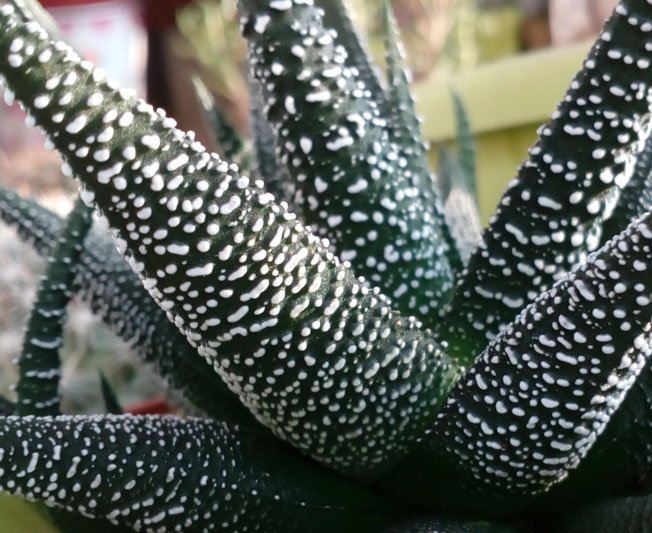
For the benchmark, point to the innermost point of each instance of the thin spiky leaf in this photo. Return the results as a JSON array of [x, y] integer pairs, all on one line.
[[551, 216], [231, 145], [337, 17], [405, 131], [536, 400], [460, 207], [127, 470], [111, 401], [281, 320], [465, 144], [39, 364], [118, 297], [347, 171], [399, 104]]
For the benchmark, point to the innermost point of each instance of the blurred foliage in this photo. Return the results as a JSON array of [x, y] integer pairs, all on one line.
[[210, 30], [444, 34], [88, 345], [478, 36]]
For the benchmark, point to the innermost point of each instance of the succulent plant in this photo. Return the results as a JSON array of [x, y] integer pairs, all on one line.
[[350, 367]]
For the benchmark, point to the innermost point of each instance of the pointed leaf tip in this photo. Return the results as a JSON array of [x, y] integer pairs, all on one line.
[[39, 364]]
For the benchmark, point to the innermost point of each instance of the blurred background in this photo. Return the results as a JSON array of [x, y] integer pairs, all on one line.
[[510, 60]]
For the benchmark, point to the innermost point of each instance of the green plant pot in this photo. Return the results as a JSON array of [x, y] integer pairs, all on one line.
[[506, 101], [17, 514]]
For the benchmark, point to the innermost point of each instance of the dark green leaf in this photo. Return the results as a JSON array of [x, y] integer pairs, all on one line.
[[33, 10], [150, 472], [318, 357], [350, 186], [405, 131], [116, 295], [450, 524], [399, 105], [7, 407], [551, 216], [636, 197], [274, 174], [39, 364], [523, 417], [621, 456], [336, 16], [74, 522]]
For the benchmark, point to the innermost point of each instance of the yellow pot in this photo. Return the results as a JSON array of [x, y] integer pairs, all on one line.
[[17, 514], [506, 102]]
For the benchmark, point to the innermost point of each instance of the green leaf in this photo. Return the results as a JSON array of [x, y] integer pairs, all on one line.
[[227, 138], [465, 145], [405, 131], [39, 364], [127, 470], [337, 17], [273, 173], [347, 171], [33, 10], [552, 214], [621, 456], [627, 514], [110, 397], [532, 406], [636, 197], [399, 104], [74, 522], [318, 357], [117, 296]]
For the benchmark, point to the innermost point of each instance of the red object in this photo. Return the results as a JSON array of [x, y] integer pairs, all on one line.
[[161, 14], [158, 14], [155, 406]]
